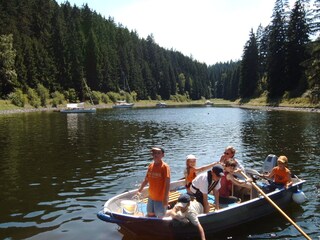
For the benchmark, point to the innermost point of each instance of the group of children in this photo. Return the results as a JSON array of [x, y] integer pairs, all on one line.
[[280, 174]]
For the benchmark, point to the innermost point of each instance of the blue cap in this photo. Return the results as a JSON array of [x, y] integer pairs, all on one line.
[[218, 171]]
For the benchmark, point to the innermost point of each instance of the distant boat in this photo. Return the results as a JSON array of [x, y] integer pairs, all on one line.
[[161, 105], [208, 103], [122, 104], [77, 108]]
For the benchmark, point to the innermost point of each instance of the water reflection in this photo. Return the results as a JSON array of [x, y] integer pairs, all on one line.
[[72, 125], [57, 170]]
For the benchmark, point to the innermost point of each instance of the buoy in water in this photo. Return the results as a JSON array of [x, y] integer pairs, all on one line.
[[299, 197]]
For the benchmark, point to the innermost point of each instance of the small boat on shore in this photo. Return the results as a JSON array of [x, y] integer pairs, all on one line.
[[161, 105], [122, 104], [129, 213], [208, 103], [77, 108]]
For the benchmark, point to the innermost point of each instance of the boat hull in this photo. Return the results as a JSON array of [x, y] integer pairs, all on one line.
[[90, 110], [161, 105], [125, 105], [212, 222]]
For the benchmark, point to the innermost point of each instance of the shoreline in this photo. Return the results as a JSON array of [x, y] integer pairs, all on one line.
[[107, 106], [279, 108]]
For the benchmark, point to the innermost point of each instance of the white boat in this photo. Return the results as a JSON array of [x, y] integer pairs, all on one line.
[[208, 103], [122, 104], [161, 105], [130, 213], [77, 108]]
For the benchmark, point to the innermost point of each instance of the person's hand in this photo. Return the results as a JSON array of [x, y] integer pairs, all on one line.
[[165, 203], [223, 158], [249, 180], [237, 170], [137, 196]]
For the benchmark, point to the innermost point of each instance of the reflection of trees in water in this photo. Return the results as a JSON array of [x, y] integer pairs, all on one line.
[[72, 126], [293, 134]]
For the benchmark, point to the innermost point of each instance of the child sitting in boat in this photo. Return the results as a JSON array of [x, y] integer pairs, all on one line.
[[191, 170], [228, 180], [281, 174]]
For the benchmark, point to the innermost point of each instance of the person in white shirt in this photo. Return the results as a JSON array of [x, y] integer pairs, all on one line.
[[206, 183]]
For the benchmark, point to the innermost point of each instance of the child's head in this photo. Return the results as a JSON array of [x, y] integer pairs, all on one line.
[[230, 165], [191, 160], [230, 151], [282, 160]]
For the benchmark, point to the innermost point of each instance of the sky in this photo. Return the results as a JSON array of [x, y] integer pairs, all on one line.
[[209, 31]]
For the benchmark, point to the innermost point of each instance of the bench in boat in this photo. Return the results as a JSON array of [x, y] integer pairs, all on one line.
[[174, 195]]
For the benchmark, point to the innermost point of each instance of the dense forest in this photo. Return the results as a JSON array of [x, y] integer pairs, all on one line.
[[52, 51]]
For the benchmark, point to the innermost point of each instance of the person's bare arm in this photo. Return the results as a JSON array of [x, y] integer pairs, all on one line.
[[206, 206], [237, 182], [205, 167], [201, 231], [216, 199], [270, 175], [289, 183], [166, 193], [143, 184]]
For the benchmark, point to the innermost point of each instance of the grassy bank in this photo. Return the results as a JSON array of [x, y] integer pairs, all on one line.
[[286, 104]]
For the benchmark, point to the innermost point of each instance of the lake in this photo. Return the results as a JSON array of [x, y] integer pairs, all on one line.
[[57, 170]]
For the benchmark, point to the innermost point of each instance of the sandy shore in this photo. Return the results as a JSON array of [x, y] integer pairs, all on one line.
[[265, 108]]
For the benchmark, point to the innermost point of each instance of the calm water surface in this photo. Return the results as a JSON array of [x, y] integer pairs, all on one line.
[[57, 170]]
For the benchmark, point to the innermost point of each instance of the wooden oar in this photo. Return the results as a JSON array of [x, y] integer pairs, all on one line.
[[277, 207]]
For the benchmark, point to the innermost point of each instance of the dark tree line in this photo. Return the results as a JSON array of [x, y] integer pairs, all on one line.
[[277, 58], [59, 45]]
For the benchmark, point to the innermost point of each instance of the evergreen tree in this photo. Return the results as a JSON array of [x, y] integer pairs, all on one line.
[[262, 37], [8, 75], [277, 51], [249, 75], [313, 65], [298, 37]]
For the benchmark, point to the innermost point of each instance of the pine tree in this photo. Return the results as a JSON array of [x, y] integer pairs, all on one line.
[[277, 51], [8, 75], [249, 75], [298, 37]]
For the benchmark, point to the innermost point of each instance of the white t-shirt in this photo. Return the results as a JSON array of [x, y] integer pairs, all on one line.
[[201, 182]]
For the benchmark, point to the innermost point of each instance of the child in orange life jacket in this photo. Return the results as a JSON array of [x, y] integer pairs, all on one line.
[[281, 174], [191, 170]]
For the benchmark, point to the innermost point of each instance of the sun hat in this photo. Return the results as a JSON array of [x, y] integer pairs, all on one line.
[[155, 148], [283, 159], [183, 200], [218, 170], [191, 156]]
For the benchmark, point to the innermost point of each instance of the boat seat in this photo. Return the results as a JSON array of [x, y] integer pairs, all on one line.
[[173, 197], [212, 207]]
